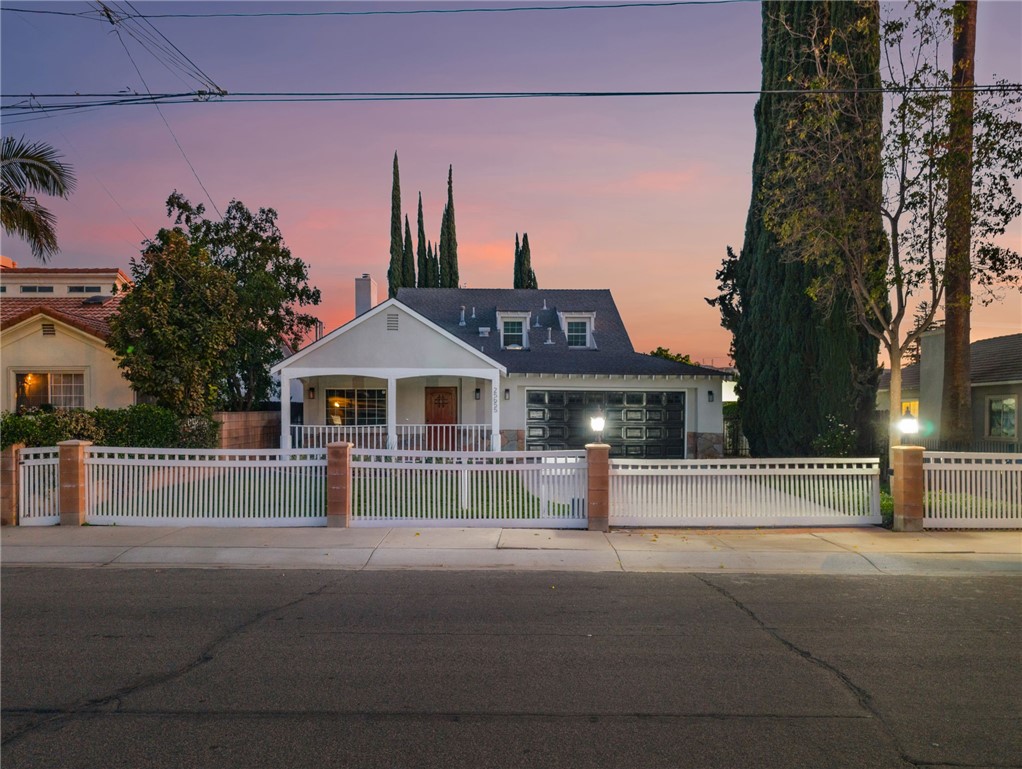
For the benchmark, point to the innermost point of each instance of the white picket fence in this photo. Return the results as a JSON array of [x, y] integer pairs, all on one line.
[[966, 490], [38, 487], [216, 487], [507, 489], [745, 492]]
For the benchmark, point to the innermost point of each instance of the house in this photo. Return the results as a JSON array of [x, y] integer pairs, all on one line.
[[498, 368], [996, 376], [54, 323]]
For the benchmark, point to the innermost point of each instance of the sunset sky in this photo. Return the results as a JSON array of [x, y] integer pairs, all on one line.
[[637, 194]]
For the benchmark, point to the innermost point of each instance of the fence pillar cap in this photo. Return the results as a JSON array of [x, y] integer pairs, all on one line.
[[339, 445], [74, 443], [597, 446]]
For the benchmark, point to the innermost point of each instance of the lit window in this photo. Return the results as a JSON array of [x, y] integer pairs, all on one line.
[[578, 333], [1001, 417], [356, 407], [58, 389], [912, 407], [514, 333]]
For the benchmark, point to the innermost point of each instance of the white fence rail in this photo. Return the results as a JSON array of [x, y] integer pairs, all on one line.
[[745, 492], [205, 488], [407, 437], [508, 489], [38, 487], [972, 490]]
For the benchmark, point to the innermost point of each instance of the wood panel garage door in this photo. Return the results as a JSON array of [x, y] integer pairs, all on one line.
[[647, 424]]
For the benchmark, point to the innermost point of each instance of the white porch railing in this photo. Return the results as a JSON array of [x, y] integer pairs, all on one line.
[[408, 437], [508, 489], [38, 486], [972, 490], [745, 492], [205, 488]]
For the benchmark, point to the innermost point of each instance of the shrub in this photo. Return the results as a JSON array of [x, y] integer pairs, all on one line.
[[197, 433], [837, 440]]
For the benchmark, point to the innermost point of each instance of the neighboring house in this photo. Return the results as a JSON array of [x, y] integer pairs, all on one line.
[[499, 368], [996, 376], [54, 323]]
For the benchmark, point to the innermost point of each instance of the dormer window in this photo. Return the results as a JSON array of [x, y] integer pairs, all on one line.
[[578, 330], [514, 330]]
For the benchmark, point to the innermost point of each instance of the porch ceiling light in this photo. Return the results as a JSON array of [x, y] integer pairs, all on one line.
[[908, 425]]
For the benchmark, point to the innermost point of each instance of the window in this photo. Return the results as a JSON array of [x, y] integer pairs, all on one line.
[[83, 289], [58, 389], [1001, 417], [356, 407], [912, 407], [37, 289], [514, 334], [578, 333]]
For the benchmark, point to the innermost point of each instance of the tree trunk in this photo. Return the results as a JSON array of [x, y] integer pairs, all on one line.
[[893, 433], [956, 406]]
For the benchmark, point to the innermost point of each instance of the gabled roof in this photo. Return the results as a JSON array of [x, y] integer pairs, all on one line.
[[357, 321], [993, 360], [614, 353], [88, 315]]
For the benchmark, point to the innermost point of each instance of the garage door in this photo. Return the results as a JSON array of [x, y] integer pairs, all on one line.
[[639, 424]]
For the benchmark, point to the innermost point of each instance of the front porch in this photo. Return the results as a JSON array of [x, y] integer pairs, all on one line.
[[407, 437]]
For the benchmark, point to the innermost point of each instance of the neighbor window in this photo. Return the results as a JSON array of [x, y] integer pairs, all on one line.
[[37, 289], [1001, 417], [356, 407], [514, 333], [58, 389], [83, 289]]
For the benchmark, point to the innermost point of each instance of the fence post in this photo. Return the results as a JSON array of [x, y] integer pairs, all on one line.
[[71, 472], [9, 477], [907, 487], [338, 485], [598, 490]]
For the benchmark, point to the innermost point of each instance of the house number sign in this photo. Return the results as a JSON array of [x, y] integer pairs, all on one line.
[[496, 400]]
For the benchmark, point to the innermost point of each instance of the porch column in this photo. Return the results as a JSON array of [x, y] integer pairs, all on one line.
[[391, 413], [495, 412], [285, 411]]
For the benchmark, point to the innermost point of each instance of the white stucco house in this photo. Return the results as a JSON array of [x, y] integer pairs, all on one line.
[[485, 369], [54, 323]]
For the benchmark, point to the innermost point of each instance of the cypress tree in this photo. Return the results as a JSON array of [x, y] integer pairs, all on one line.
[[449, 239], [432, 267], [526, 276], [420, 251], [395, 272], [803, 373], [408, 259], [518, 264]]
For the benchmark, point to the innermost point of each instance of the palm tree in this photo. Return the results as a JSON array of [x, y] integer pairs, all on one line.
[[26, 169]]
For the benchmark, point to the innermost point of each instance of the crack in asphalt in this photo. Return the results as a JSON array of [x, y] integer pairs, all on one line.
[[94, 705], [864, 698]]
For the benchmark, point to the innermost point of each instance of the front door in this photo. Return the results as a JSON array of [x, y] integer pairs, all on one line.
[[441, 416]]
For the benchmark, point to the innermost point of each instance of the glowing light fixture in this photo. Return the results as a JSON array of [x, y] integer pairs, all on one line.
[[908, 425]]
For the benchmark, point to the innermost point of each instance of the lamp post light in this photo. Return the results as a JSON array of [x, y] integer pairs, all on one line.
[[908, 425], [597, 422]]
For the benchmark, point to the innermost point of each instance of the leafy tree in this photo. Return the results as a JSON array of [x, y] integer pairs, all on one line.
[[832, 228], [956, 408], [525, 277], [270, 284], [408, 259], [395, 273], [25, 170], [804, 365], [449, 239], [173, 330], [665, 352], [420, 251]]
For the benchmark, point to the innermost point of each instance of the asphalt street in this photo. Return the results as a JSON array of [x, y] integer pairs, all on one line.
[[247, 668]]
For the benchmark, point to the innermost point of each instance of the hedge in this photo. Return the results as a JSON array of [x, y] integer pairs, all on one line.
[[143, 426]]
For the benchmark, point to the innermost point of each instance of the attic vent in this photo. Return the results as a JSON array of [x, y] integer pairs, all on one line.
[[392, 318], [484, 331], [49, 330]]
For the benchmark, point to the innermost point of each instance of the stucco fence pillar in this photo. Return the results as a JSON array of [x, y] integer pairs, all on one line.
[[338, 484], [9, 484], [71, 469], [907, 487]]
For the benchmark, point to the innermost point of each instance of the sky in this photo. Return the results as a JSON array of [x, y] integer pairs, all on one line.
[[638, 194]]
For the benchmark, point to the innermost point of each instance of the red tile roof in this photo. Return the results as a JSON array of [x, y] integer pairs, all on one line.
[[68, 271], [91, 317]]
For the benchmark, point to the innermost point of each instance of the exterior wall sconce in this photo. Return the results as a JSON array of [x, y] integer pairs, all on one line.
[[479, 393], [312, 393], [709, 395], [507, 394]]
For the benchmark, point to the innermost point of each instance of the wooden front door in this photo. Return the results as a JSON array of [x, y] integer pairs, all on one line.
[[441, 418]]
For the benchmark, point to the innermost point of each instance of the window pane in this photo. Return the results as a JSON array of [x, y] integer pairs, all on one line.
[[1002, 418], [67, 391], [578, 333], [513, 333], [33, 390], [356, 407]]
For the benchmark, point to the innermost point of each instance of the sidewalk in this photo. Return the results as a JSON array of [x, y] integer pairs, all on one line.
[[846, 551]]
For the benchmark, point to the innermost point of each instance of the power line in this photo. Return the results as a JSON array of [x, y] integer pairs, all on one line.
[[92, 16], [84, 101]]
